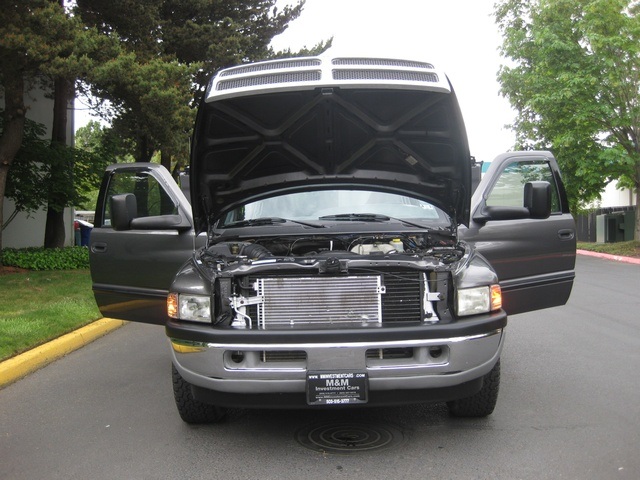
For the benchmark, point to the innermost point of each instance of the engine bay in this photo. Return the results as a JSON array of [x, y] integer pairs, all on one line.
[[352, 246], [329, 281]]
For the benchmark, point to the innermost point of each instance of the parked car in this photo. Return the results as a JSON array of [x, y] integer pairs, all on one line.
[[332, 252]]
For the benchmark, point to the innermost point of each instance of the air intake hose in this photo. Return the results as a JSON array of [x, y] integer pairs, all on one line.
[[255, 252]]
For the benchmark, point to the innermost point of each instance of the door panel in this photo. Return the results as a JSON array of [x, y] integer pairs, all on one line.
[[132, 269], [534, 258]]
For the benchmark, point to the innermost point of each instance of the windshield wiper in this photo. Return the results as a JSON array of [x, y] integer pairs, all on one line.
[[370, 217], [357, 217], [258, 222], [255, 222], [407, 222]]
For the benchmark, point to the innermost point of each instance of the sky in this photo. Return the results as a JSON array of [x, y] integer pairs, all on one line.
[[457, 36]]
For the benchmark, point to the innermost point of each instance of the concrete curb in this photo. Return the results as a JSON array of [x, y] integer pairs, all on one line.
[[22, 365], [606, 256]]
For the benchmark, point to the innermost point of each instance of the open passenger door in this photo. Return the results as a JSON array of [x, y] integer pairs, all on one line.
[[520, 222]]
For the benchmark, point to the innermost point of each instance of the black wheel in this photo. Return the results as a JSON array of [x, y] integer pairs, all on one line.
[[482, 403], [190, 409]]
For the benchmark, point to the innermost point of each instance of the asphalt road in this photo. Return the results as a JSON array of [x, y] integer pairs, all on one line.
[[569, 408]]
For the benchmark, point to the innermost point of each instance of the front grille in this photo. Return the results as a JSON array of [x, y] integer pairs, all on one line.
[[290, 301], [389, 353], [402, 302], [280, 356]]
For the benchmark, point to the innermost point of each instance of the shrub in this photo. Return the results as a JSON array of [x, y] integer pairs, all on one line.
[[36, 258]]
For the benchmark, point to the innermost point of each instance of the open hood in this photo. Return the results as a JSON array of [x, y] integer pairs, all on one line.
[[292, 125]]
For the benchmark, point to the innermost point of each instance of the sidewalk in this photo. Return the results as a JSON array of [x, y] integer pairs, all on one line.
[[22, 365]]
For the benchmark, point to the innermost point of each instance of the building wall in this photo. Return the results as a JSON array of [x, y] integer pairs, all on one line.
[[612, 197], [28, 230]]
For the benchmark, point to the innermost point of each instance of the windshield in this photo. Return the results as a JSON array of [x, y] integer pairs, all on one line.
[[339, 205]]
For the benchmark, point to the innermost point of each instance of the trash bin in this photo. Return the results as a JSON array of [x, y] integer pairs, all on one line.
[[613, 227], [76, 233], [85, 232], [629, 225]]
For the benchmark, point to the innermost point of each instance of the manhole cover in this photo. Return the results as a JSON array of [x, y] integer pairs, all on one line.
[[349, 437]]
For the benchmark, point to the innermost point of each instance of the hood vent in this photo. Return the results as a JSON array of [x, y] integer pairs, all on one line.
[[381, 62], [392, 75], [274, 79], [267, 66], [316, 72]]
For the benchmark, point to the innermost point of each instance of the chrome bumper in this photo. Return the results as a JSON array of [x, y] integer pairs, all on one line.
[[240, 368]]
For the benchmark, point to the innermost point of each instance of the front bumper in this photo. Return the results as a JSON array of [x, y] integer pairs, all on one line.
[[235, 370]]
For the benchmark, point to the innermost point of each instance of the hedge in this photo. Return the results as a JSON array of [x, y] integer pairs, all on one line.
[[37, 258]]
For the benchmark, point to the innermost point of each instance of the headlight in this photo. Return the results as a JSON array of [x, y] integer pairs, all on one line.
[[472, 301], [195, 308]]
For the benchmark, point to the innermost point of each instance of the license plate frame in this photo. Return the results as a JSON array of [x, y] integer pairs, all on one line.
[[337, 388]]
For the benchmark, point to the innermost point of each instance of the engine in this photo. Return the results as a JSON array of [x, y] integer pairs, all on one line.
[[316, 282]]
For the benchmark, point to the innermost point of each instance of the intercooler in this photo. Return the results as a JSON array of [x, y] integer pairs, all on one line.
[[325, 302]]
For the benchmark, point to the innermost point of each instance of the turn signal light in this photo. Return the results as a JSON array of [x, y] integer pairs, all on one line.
[[496, 297], [172, 305]]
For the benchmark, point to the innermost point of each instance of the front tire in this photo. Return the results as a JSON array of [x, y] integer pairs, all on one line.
[[191, 410], [482, 403]]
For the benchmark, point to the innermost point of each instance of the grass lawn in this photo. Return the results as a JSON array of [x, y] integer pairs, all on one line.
[[36, 307]]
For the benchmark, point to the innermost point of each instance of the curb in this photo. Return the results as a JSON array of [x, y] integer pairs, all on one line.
[[22, 365], [606, 256]]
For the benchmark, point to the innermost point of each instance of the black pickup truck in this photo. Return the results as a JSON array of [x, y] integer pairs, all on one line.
[[334, 251]]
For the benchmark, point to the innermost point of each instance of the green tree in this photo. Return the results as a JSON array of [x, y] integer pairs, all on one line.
[[40, 45], [151, 100], [38, 166], [101, 140], [26, 177], [573, 76], [27, 42], [104, 146], [174, 46]]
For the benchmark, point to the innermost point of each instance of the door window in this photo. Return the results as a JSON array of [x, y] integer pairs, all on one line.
[[508, 190], [151, 197]]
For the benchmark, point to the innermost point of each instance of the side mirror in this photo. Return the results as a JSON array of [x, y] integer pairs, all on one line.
[[537, 204], [537, 199], [124, 208]]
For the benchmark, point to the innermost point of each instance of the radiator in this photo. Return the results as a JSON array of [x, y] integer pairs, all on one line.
[[319, 301]]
